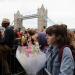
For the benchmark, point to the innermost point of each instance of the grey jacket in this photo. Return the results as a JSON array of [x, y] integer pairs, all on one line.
[[66, 67]]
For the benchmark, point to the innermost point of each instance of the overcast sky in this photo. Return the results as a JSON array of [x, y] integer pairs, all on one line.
[[60, 11]]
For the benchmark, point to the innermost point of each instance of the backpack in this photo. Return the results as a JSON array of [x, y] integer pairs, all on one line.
[[61, 52]]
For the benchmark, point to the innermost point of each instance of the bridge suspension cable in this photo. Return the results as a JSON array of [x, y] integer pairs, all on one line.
[[49, 20], [11, 23]]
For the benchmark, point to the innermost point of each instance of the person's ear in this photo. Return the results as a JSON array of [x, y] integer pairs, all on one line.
[[58, 37]]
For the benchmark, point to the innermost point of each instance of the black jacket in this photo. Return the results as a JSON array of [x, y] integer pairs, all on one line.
[[8, 37]]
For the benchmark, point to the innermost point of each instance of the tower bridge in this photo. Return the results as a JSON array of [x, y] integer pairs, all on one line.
[[41, 15]]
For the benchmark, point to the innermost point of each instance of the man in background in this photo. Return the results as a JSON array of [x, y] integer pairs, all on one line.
[[6, 44]]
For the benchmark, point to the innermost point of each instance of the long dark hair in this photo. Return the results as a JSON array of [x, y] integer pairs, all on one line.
[[59, 30]]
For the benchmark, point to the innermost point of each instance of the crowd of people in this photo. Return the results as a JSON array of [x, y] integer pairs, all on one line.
[[56, 40]]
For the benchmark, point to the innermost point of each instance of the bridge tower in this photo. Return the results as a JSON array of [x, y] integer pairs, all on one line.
[[41, 21], [18, 22]]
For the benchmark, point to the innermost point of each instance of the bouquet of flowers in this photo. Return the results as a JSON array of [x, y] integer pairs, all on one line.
[[31, 58]]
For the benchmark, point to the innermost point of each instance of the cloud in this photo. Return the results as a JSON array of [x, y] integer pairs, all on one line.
[[7, 0]]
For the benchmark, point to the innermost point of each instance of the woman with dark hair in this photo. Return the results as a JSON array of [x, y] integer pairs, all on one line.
[[57, 37]]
